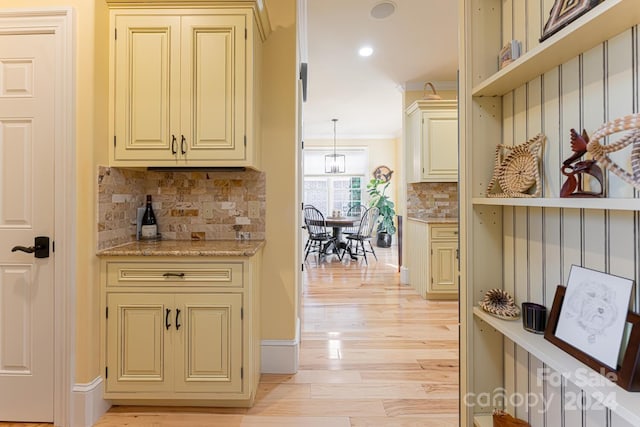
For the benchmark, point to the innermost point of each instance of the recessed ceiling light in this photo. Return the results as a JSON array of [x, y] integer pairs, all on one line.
[[383, 10], [365, 51]]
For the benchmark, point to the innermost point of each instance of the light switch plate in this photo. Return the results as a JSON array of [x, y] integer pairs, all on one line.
[[207, 210], [254, 209]]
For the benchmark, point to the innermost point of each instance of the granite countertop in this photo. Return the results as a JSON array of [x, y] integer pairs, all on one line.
[[435, 220], [186, 248]]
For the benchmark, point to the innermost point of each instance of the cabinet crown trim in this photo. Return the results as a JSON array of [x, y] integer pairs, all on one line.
[[258, 7], [423, 104]]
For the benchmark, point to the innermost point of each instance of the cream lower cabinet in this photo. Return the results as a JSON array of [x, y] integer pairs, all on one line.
[[432, 141], [182, 343], [182, 87], [443, 263], [176, 330], [432, 258]]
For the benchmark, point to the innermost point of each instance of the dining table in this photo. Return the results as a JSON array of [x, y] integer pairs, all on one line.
[[337, 223]]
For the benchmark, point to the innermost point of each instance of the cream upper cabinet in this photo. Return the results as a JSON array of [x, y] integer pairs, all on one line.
[[432, 141], [182, 87]]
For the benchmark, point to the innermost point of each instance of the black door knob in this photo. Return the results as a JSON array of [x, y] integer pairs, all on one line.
[[40, 247], [28, 250]]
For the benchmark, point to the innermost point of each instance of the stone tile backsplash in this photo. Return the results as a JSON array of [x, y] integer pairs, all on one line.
[[432, 200], [213, 205]]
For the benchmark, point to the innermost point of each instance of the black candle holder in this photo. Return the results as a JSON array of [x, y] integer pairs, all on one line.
[[534, 317]]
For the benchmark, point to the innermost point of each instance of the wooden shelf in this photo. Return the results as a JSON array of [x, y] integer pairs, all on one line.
[[484, 420], [570, 203], [606, 20], [623, 403]]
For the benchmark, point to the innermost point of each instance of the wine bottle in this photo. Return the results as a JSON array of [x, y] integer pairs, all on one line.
[[149, 228]]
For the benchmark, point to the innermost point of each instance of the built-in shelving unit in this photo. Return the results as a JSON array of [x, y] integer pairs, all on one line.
[[605, 21], [586, 71], [624, 403]]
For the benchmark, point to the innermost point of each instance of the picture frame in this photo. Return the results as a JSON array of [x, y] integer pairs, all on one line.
[[563, 12], [509, 53], [592, 318], [626, 373]]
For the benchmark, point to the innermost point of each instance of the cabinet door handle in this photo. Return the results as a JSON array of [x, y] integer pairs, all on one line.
[[183, 145], [174, 149], [166, 318], [178, 319], [173, 275]]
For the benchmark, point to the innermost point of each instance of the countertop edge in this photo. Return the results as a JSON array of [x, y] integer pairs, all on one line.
[[184, 248], [434, 220]]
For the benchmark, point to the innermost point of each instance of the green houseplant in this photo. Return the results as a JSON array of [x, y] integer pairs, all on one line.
[[377, 197]]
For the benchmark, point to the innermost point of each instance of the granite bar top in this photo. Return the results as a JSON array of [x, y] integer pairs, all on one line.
[[186, 248], [435, 220]]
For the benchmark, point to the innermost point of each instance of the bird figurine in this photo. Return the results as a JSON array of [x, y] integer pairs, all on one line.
[[575, 170]]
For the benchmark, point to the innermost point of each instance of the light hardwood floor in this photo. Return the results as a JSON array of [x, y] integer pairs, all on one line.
[[373, 353]]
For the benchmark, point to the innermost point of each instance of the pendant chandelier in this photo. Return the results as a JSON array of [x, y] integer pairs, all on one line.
[[334, 163]]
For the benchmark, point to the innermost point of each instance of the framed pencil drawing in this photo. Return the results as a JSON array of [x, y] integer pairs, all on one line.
[[592, 318], [563, 12], [627, 372]]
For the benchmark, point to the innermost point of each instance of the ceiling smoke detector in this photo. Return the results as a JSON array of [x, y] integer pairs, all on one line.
[[383, 10]]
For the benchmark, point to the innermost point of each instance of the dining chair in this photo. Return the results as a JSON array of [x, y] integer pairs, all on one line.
[[355, 210], [319, 240], [368, 221]]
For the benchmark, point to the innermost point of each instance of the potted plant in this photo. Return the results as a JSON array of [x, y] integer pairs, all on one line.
[[377, 197]]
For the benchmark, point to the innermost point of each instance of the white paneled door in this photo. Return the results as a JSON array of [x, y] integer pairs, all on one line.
[[27, 77]]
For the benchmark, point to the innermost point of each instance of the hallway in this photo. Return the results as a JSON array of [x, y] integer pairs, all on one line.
[[373, 353]]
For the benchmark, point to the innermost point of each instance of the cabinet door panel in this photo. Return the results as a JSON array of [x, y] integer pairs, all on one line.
[[136, 342], [147, 77], [443, 267], [213, 86], [440, 146], [432, 141], [209, 347]]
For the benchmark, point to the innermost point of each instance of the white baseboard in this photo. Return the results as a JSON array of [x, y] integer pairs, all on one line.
[[404, 276], [280, 356], [88, 403]]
